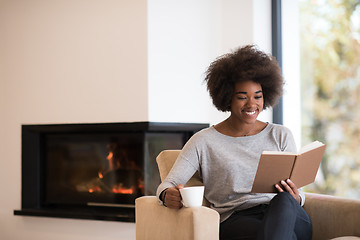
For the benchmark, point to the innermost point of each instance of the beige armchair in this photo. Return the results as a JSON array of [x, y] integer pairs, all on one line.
[[332, 217]]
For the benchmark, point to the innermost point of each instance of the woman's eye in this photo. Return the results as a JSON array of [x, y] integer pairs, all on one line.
[[241, 98], [244, 98]]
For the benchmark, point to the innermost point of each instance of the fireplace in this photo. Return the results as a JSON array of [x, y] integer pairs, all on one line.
[[94, 171]]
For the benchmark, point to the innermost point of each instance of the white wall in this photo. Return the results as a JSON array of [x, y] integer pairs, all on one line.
[[66, 61], [184, 38]]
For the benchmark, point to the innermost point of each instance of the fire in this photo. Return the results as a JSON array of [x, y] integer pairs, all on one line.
[[122, 190], [94, 189], [117, 159]]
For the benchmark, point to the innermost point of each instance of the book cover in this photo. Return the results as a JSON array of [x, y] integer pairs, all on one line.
[[276, 166]]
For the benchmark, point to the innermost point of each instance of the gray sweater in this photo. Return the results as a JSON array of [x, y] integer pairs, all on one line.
[[228, 166]]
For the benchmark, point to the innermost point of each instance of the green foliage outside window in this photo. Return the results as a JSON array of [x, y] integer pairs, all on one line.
[[330, 82]]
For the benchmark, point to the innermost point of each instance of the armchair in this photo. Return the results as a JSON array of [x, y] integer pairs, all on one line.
[[332, 217]]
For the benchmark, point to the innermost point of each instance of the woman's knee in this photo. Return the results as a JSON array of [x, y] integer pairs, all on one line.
[[284, 196], [284, 199]]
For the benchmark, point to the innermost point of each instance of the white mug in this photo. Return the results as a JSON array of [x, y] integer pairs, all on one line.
[[192, 196]]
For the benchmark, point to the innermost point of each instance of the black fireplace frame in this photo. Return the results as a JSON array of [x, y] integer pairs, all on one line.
[[33, 167]]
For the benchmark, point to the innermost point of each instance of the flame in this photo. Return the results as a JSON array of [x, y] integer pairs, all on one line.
[[122, 190], [115, 162], [94, 189]]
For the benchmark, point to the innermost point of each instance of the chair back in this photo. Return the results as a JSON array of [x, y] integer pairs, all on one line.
[[166, 160]]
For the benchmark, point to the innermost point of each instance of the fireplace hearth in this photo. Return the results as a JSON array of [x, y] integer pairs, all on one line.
[[94, 171]]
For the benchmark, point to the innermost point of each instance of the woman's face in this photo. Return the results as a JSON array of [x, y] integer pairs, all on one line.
[[247, 101]]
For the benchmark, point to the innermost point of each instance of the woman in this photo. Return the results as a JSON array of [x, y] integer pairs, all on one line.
[[226, 155]]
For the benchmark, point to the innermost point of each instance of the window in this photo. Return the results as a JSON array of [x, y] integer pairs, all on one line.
[[330, 90]]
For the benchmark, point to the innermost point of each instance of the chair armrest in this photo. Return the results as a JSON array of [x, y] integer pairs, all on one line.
[[154, 221], [333, 216]]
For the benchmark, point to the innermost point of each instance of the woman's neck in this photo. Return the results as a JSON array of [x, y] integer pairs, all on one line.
[[239, 128], [233, 128]]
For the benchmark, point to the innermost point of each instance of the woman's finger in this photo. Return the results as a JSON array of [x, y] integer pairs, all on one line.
[[277, 186], [173, 198], [292, 186], [286, 187]]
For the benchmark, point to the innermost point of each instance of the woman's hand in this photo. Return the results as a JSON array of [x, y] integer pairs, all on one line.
[[172, 197], [289, 187]]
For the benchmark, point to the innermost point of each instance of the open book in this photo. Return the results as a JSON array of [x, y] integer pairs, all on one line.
[[300, 168]]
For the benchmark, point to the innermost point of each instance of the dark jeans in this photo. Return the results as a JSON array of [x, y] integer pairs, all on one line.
[[283, 218]]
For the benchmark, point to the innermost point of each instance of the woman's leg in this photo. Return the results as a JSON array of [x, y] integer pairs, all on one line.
[[243, 224], [285, 219]]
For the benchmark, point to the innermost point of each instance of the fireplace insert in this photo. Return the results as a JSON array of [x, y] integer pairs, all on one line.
[[94, 171]]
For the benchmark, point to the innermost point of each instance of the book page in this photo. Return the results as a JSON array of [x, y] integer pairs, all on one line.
[[310, 146], [277, 153]]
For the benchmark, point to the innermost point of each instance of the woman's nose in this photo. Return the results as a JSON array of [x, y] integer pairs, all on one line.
[[251, 102]]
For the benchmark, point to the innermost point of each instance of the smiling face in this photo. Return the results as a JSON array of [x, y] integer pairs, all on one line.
[[247, 101]]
